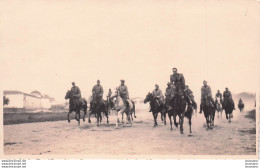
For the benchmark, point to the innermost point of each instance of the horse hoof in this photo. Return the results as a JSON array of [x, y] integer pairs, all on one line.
[[190, 135], [68, 121]]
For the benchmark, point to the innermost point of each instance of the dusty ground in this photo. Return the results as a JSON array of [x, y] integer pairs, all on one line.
[[60, 137]]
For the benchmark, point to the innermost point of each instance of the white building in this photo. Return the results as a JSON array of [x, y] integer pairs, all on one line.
[[21, 102]]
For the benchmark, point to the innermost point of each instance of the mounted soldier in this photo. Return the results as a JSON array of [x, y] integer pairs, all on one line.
[[240, 101], [190, 95], [157, 94], [178, 81], [75, 91], [97, 90], [206, 94], [219, 95], [228, 96], [123, 91]]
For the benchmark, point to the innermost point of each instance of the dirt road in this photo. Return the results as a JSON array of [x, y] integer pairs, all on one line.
[[60, 137]]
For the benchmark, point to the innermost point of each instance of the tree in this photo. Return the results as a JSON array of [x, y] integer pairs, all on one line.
[[6, 100]]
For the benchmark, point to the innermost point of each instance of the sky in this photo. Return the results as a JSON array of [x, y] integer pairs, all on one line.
[[45, 45]]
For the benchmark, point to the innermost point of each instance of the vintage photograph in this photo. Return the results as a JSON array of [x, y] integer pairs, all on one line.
[[130, 79]]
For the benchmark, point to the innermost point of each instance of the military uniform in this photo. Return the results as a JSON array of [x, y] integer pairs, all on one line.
[[228, 96], [190, 95], [109, 93], [123, 91], [158, 95], [178, 80], [98, 90], [219, 95], [169, 92], [206, 94], [76, 94]]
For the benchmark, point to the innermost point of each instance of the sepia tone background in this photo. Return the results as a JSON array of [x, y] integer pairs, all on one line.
[[45, 45]]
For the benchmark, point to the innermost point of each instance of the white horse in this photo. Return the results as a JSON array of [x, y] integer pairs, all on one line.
[[121, 108]]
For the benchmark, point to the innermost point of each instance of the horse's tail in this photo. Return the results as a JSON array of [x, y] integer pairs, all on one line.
[[133, 108]]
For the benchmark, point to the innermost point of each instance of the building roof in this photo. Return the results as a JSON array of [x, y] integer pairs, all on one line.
[[34, 93]]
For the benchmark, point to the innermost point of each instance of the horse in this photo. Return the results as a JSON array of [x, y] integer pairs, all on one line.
[[121, 108], [97, 107], [219, 106], [241, 106], [209, 112], [76, 107], [178, 104], [155, 108], [228, 107]]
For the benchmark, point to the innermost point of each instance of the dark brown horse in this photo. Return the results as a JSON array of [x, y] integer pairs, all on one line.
[[228, 107], [98, 107], [76, 105], [209, 112], [177, 106], [155, 108]]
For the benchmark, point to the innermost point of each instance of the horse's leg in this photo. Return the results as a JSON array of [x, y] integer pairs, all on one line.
[[89, 121], [129, 118], [161, 116], [190, 124], [85, 111], [170, 120], [156, 115], [69, 115], [154, 119], [164, 115], [107, 117], [174, 117], [122, 117], [79, 116], [117, 119], [181, 123], [98, 118]]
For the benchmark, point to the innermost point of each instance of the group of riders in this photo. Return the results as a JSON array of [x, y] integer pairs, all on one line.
[[97, 92], [175, 86]]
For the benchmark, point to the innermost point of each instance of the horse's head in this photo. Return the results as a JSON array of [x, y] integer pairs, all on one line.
[[67, 96], [148, 97]]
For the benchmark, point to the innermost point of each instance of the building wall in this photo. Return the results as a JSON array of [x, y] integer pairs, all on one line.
[[15, 101], [32, 102]]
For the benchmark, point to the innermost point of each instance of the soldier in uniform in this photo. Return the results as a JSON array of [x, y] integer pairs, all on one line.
[[177, 79], [97, 90], [75, 91], [157, 94], [123, 91], [109, 93], [206, 93], [228, 96], [218, 94], [190, 95], [169, 91], [240, 101]]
